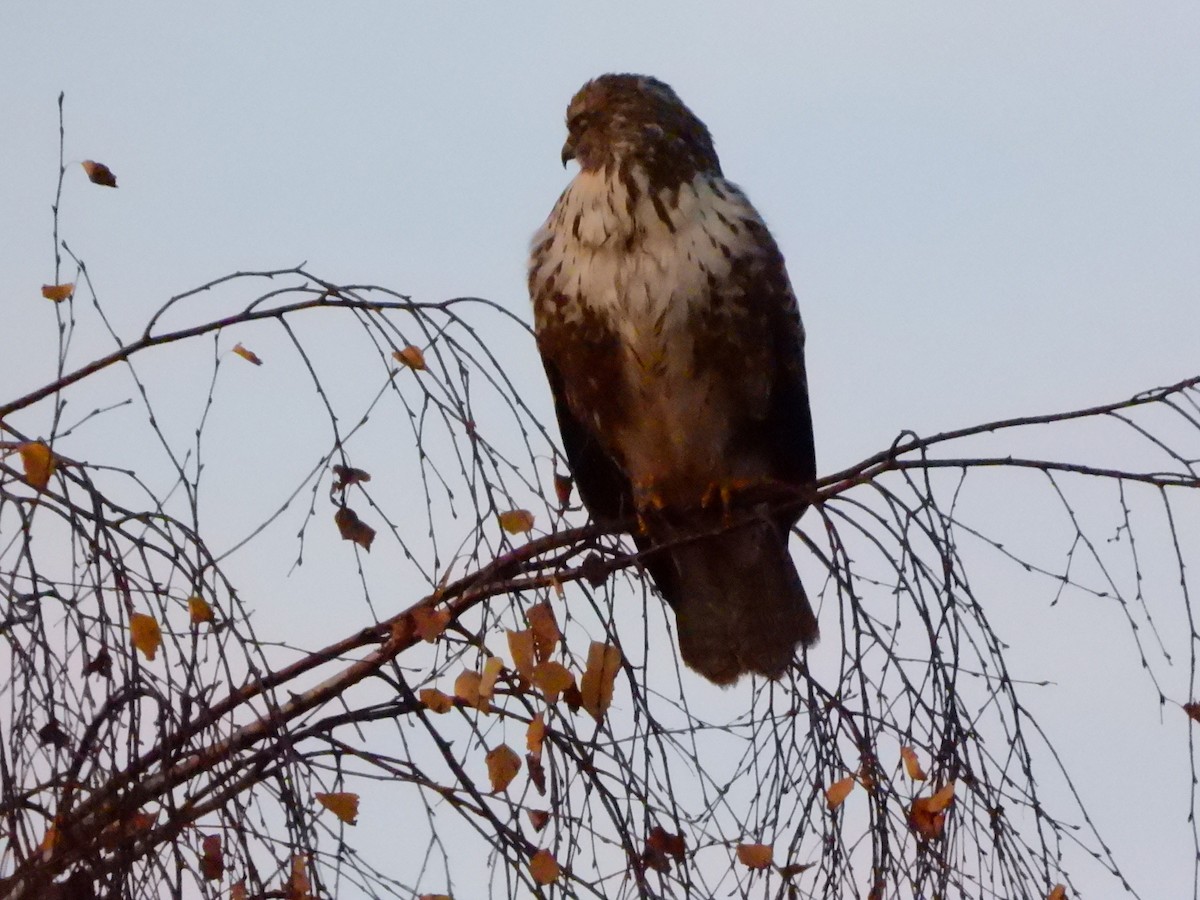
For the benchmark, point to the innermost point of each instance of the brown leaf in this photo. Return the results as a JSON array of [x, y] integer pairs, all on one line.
[[1059, 892], [298, 886], [100, 664], [563, 484], [347, 476], [912, 765], [430, 623], [146, 634], [344, 806], [517, 521], [503, 764], [661, 847], [1193, 711], [57, 292], [436, 701], [544, 867], [544, 625], [212, 859], [99, 173], [795, 869], [537, 772], [837, 792], [538, 818], [521, 647], [927, 815], [466, 689], [410, 356], [552, 678], [536, 734], [352, 528], [199, 610], [38, 462], [596, 688], [755, 856], [248, 355], [238, 891], [491, 672]]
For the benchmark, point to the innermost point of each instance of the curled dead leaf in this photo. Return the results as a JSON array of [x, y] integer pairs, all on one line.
[[99, 173], [521, 648], [535, 735], [212, 859], [58, 292], [538, 818], [248, 355], [410, 356], [467, 689], [347, 476], [927, 815], [491, 672], [912, 765], [1058, 892], [1193, 711], [352, 528], [563, 484]]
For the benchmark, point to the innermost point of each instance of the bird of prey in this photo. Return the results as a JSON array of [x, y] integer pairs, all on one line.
[[674, 349]]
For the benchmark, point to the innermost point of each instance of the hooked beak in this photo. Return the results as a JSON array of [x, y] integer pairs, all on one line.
[[568, 151]]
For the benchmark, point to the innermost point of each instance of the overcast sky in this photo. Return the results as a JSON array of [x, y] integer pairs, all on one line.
[[987, 210]]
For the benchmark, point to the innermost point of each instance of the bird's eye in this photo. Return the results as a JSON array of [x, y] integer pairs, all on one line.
[[577, 122]]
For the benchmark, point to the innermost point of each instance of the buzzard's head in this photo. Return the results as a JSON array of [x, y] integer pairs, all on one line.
[[635, 120]]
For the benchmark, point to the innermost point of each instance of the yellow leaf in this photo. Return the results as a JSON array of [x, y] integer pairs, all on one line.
[[1058, 893], [344, 806], [552, 678], [503, 764], [546, 634], [99, 173], [491, 671], [57, 292], [430, 622], [536, 734], [352, 528], [436, 701], [38, 462], [755, 856], [146, 634], [199, 609], [410, 356], [837, 792], [912, 765], [467, 689], [517, 521], [248, 355], [544, 867], [596, 688], [520, 645]]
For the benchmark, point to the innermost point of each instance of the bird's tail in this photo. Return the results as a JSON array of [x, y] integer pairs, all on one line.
[[739, 602]]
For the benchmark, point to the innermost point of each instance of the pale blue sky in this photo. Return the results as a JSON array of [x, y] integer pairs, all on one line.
[[987, 210]]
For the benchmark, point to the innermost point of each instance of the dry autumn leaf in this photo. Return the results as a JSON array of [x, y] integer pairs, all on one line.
[[521, 647], [837, 792], [410, 356], [430, 623], [298, 885], [596, 687], [536, 734], [436, 701], [538, 818], [537, 773], [562, 489], [912, 765], [199, 609], [38, 462], [347, 476], [491, 672], [661, 841], [58, 292], [517, 521], [146, 634], [238, 891], [552, 678], [546, 633], [1058, 892], [544, 867], [343, 805], [927, 815], [352, 528], [503, 764], [755, 856], [248, 355], [99, 173], [467, 689], [1193, 711], [212, 859]]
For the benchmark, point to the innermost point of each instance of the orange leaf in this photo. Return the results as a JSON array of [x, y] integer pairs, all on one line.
[[298, 885], [552, 678], [352, 528], [942, 798], [544, 867], [491, 672], [436, 701], [238, 891], [57, 292], [503, 764], [212, 860], [248, 355], [837, 792], [1059, 892], [538, 818], [517, 521], [466, 689], [410, 356], [99, 173], [146, 634], [344, 806], [430, 622], [546, 634], [199, 610], [38, 462], [755, 856], [520, 645], [927, 815], [536, 734], [661, 846], [912, 765], [596, 688], [562, 489]]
